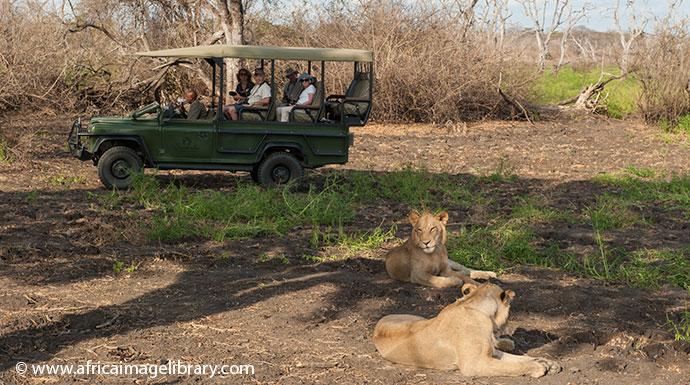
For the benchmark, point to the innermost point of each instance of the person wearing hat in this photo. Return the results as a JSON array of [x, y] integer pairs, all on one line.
[[292, 88], [259, 96], [306, 97]]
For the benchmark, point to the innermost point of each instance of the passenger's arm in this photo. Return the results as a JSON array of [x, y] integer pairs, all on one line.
[[261, 103], [308, 102]]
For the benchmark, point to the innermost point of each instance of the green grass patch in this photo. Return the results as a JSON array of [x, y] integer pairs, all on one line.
[[622, 94], [273, 258], [613, 213], [495, 247], [679, 127], [349, 244], [120, 267], [681, 330], [506, 231], [673, 190], [529, 210], [651, 268], [248, 212]]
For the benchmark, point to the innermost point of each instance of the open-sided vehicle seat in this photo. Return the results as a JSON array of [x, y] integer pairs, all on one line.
[[354, 105], [311, 113]]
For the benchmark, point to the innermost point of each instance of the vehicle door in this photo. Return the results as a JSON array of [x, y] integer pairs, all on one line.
[[187, 141]]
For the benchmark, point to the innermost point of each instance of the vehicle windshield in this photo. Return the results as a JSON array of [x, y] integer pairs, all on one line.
[[147, 109]]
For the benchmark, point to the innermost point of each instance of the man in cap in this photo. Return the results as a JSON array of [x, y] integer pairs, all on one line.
[[292, 88], [259, 96]]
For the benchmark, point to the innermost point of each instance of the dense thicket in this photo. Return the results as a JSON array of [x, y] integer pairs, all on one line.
[[433, 63]]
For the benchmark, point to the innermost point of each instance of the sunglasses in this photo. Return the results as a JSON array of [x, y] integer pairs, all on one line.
[[305, 80]]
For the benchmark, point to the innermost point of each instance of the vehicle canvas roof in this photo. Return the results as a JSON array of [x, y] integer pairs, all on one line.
[[256, 52]]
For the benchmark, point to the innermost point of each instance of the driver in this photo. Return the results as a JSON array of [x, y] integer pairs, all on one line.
[[197, 110]]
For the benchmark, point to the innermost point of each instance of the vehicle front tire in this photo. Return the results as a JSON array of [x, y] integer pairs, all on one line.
[[280, 169], [116, 166]]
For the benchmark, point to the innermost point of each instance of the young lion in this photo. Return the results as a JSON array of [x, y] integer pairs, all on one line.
[[460, 337], [423, 257]]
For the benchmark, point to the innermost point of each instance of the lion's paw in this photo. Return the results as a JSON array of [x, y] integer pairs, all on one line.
[[551, 365], [537, 369], [482, 274], [505, 344]]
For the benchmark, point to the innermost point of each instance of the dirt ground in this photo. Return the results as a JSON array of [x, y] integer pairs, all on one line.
[[61, 301]]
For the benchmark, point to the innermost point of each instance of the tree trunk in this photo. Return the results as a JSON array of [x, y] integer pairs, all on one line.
[[232, 21], [542, 52]]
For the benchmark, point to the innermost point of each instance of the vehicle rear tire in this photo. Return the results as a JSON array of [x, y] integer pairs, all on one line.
[[116, 166], [280, 169]]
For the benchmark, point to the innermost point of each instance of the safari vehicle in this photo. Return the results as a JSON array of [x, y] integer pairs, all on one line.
[[275, 153]]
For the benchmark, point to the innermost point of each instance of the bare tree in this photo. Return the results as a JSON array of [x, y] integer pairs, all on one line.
[[573, 18], [584, 44], [589, 97], [637, 26], [494, 20], [544, 28]]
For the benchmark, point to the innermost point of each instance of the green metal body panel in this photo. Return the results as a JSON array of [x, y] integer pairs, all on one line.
[[191, 144]]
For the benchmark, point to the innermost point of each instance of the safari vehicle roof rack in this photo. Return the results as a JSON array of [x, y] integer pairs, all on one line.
[[257, 52]]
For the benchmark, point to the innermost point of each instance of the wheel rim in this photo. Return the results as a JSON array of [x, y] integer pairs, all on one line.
[[120, 169], [280, 174]]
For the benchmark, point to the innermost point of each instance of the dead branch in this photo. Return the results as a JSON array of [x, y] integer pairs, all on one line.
[[516, 105]]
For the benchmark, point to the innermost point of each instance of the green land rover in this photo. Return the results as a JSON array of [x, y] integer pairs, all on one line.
[[274, 152]]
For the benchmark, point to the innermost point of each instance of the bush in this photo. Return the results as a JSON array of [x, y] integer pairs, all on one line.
[[664, 77]]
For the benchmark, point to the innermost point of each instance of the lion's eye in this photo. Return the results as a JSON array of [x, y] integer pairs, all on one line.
[[419, 231], [433, 229]]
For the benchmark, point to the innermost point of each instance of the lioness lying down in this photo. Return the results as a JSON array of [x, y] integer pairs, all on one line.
[[423, 257], [460, 337]]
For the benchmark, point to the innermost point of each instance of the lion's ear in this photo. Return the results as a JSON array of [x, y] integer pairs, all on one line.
[[468, 288], [507, 296], [414, 218], [442, 217]]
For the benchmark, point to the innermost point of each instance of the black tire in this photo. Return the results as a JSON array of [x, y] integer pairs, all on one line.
[[116, 166], [280, 169]]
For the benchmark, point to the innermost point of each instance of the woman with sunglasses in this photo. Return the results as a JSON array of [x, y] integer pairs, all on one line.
[[306, 97], [244, 86]]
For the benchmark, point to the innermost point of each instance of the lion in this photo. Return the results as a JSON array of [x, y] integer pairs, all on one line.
[[460, 337], [423, 258]]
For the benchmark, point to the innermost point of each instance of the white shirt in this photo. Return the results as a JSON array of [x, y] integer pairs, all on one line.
[[304, 96], [258, 93]]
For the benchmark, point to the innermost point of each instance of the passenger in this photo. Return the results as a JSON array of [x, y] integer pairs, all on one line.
[[292, 88], [259, 96], [306, 98], [244, 86], [197, 110]]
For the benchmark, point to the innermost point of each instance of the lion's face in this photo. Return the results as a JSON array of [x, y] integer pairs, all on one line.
[[428, 231]]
